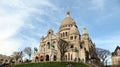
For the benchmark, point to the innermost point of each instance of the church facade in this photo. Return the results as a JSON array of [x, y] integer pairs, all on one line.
[[80, 46]]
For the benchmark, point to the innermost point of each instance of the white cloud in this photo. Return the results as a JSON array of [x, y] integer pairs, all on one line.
[[10, 23], [8, 27], [7, 47], [12, 16]]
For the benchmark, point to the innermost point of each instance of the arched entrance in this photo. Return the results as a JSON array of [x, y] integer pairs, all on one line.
[[71, 56], [87, 56], [36, 59], [55, 57], [47, 57], [41, 58], [66, 57]]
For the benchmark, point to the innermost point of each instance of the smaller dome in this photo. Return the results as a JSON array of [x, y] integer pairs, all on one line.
[[73, 30]]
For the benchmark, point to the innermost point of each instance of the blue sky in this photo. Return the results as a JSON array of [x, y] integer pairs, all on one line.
[[23, 22]]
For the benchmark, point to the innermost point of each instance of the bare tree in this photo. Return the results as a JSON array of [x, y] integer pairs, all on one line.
[[18, 55], [103, 54], [62, 46], [28, 51]]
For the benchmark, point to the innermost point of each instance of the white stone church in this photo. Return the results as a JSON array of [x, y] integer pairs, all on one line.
[[81, 47]]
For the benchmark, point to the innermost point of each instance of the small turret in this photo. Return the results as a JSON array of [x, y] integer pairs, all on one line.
[[50, 31], [42, 38], [85, 31], [85, 34]]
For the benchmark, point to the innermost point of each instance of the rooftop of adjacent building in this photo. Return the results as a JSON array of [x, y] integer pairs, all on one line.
[[115, 51]]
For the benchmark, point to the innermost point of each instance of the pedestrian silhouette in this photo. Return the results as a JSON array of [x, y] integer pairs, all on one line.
[[71, 65]]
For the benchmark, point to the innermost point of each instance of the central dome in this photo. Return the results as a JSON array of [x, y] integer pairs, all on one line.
[[68, 20]]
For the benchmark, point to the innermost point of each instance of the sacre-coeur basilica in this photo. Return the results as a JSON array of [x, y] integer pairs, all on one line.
[[80, 45]]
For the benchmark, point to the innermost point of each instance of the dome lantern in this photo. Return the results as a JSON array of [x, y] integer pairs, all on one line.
[[68, 14]]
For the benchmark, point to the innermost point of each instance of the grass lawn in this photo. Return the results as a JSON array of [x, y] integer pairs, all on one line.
[[51, 64]]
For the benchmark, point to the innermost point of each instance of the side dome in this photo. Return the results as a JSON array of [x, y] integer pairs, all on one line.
[[68, 20], [73, 30]]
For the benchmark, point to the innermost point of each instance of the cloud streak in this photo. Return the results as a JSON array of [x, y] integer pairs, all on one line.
[[13, 17], [23, 22]]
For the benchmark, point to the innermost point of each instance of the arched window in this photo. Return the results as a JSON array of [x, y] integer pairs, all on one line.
[[71, 37], [66, 33], [81, 46], [71, 46], [75, 37], [66, 26], [66, 57], [63, 34], [48, 44], [69, 25], [49, 32], [71, 56]]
